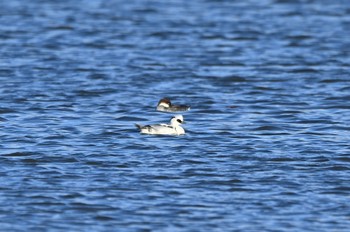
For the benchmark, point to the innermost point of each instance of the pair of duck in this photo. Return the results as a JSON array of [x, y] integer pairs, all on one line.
[[174, 128]]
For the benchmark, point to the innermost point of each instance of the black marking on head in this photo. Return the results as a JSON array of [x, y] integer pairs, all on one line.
[[179, 120]]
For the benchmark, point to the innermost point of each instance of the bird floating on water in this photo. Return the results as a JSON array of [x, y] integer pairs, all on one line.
[[165, 105], [174, 128]]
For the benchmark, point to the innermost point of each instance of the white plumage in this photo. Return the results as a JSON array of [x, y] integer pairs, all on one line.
[[174, 128]]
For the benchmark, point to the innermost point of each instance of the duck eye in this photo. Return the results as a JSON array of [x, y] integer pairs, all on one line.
[[178, 120]]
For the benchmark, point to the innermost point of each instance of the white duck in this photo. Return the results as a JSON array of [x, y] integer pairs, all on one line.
[[174, 128]]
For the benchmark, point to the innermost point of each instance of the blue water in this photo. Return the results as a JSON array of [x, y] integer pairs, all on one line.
[[267, 137]]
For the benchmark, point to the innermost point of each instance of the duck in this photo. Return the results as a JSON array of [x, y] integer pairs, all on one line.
[[165, 105], [174, 128]]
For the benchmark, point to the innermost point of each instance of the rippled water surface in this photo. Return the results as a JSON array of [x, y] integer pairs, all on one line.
[[267, 142]]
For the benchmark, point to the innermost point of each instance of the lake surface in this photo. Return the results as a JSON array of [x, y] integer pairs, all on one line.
[[267, 137]]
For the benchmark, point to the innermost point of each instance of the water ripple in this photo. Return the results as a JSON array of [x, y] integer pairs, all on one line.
[[266, 144]]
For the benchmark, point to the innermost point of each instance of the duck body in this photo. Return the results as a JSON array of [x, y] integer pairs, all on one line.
[[174, 128], [165, 105]]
